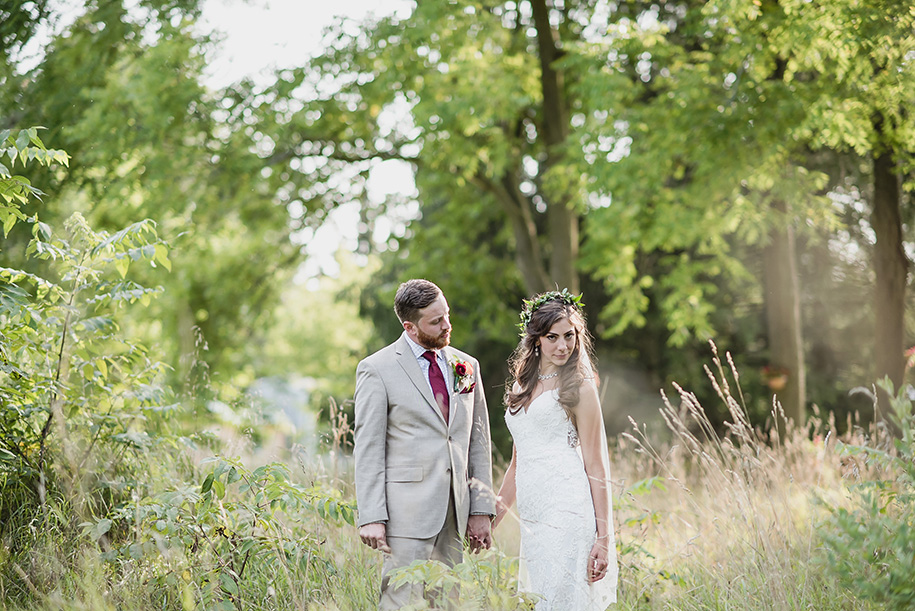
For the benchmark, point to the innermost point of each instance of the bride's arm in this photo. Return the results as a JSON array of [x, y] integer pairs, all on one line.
[[506, 496], [587, 418]]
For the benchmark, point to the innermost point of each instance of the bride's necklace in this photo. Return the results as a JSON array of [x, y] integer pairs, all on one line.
[[548, 376]]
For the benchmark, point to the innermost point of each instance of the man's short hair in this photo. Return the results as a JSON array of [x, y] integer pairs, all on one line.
[[412, 296]]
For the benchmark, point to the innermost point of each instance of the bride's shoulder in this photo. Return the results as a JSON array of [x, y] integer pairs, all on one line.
[[588, 382]]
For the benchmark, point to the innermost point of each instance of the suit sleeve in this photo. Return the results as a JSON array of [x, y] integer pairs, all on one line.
[[369, 444], [479, 461]]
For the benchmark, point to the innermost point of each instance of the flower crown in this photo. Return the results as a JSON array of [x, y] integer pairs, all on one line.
[[534, 304]]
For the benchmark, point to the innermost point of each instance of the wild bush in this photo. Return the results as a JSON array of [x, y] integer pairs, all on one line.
[[870, 546], [75, 392]]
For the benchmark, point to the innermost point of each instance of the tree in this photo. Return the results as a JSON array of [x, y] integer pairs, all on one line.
[[124, 86], [469, 92], [862, 81], [682, 136]]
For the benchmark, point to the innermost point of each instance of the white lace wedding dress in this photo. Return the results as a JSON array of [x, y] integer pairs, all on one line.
[[557, 515]]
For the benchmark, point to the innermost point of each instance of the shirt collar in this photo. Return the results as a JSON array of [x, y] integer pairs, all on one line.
[[419, 350]]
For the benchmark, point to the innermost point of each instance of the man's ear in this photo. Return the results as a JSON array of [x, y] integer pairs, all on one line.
[[407, 325]]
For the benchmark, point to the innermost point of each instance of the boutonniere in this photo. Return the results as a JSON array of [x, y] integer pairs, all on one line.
[[463, 376]]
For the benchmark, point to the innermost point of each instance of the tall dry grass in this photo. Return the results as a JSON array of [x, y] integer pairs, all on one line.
[[705, 520], [727, 520]]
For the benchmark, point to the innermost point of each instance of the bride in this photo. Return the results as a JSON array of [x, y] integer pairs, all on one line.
[[559, 471]]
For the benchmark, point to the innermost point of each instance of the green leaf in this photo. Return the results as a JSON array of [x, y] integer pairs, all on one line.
[[101, 527], [233, 476], [8, 224], [228, 584], [207, 484], [43, 229], [122, 264], [162, 256], [33, 137], [22, 141], [206, 504]]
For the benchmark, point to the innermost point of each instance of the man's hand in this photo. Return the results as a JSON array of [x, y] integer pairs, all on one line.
[[479, 533], [373, 535]]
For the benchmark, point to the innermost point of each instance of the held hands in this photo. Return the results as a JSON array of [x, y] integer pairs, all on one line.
[[479, 533], [598, 560], [374, 535]]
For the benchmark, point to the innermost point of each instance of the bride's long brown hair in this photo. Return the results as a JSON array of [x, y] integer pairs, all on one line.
[[524, 363]]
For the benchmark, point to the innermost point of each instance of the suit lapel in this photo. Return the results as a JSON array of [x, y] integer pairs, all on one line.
[[408, 362], [449, 380], [449, 372]]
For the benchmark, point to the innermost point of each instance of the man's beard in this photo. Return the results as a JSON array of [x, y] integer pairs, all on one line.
[[432, 342]]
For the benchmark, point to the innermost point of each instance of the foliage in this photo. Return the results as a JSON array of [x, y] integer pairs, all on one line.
[[16, 190], [734, 517], [686, 122], [236, 519], [319, 334], [124, 89], [72, 387], [484, 581], [707, 522], [870, 546], [88, 470], [19, 21]]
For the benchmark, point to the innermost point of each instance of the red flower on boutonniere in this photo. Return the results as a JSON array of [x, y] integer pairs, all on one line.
[[463, 376]]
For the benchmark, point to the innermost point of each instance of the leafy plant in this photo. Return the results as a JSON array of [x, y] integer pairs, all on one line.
[[484, 581], [75, 393], [212, 535], [870, 547], [25, 146]]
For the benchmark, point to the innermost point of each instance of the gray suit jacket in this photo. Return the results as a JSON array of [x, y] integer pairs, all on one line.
[[407, 456]]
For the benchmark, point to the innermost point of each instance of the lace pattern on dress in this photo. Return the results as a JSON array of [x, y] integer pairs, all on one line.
[[573, 436]]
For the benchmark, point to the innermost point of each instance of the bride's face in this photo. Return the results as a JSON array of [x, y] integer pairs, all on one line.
[[557, 345]]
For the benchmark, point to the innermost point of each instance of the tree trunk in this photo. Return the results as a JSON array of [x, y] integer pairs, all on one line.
[[891, 268], [564, 246], [783, 317], [563, 220], [528, 253]]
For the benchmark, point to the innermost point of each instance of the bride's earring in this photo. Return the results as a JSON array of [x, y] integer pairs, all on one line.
[[537, 350]]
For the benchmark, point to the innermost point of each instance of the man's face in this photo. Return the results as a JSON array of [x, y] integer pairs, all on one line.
[[433, 329]]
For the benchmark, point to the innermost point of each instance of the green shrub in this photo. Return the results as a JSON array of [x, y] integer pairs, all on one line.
[[870, 547], [487, 580], [76, 395], [209, 539]]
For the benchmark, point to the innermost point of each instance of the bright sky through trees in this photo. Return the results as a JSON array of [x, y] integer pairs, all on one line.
[[256, 37], [260, 36]]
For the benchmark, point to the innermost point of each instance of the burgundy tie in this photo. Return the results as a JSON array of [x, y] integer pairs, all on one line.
[[437, 381]]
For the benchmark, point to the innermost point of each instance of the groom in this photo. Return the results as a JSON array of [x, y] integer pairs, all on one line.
[[422, 447]]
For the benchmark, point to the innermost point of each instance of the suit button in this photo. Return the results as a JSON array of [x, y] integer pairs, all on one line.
[[448, 470], [450, 438]]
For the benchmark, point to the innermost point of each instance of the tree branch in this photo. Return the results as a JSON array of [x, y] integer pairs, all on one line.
[[528, 255]]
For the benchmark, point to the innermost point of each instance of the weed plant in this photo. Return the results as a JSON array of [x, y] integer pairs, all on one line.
[[870, 545]]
